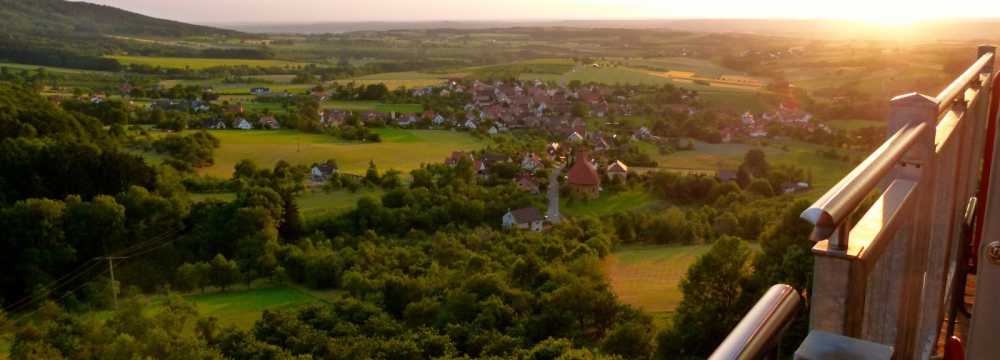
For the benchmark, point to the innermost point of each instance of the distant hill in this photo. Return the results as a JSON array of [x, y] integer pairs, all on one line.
[[945, 30], [62, 18], [79, 35]]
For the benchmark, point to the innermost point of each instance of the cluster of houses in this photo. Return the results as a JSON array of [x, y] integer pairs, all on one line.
[[505, 105], [582, 179], [241, 123], [755, 126]]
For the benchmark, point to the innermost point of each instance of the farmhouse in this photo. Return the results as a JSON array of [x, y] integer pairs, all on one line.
[[528, 218], [407, 120], [260, 91], [243, 124], [321, 172], [583, 178], [438, 120], [269, 122], [456, 157], [213, 124], [618, 170]]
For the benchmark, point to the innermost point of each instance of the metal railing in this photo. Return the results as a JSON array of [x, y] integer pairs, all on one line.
[[757, 335], [886, 279]]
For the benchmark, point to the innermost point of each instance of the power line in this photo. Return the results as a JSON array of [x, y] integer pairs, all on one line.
[[134, 249]]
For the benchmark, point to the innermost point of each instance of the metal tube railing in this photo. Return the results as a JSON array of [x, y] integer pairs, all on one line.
[[957, 88], [757, 334], [831, 211]]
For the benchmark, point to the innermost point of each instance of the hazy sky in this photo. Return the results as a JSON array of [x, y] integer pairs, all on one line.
[[223, 11]]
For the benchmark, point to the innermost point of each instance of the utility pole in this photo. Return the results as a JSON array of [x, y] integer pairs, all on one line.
[[111, 269]]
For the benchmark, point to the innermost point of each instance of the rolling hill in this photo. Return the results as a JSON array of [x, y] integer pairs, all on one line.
[[61, 18]]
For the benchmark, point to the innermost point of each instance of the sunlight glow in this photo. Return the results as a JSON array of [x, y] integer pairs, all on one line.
[[883, 12]]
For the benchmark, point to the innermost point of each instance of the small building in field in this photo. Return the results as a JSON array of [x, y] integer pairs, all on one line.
[[439, 120], [618, 170], [260, 91], [269, 122], [243, 124], [321, 172], [529, 218], [583, 178], [214, 124], [457, 156], [795, 187]]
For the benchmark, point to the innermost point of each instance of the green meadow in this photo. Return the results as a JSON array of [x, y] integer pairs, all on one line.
[[201, 63], [371, 106], [713, 157], [243, 308], [403, 150], [607, 203]]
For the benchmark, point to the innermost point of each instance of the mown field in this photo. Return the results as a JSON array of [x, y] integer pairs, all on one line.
[[243, 308], [403, 150], [648, 276], [201, 63], [629, 200], [313, 202]]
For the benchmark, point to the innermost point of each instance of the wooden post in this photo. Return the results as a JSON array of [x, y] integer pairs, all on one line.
[[919, 166]]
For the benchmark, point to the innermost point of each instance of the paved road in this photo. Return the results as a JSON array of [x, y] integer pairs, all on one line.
[[552, 214]]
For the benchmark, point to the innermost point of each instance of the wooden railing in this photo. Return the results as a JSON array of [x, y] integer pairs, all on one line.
[[885, 279]]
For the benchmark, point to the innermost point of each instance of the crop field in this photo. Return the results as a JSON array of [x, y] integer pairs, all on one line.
[[403, 150], [244, 89], [649, 277], [372, 106], [625, 201], [701, 67], [393, 84], [55, 70], [202, 63]]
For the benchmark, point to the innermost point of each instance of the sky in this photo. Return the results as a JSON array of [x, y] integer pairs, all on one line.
[[308, 11]]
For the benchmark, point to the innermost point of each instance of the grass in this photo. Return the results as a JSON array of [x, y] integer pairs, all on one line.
[[394, 84], [702, 67], [243, 308], [316, 203], [854, 124], [201, 63], [649, 276], [50, 69], [403, 150], [624, 201], [372, 106], [713, 157]]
